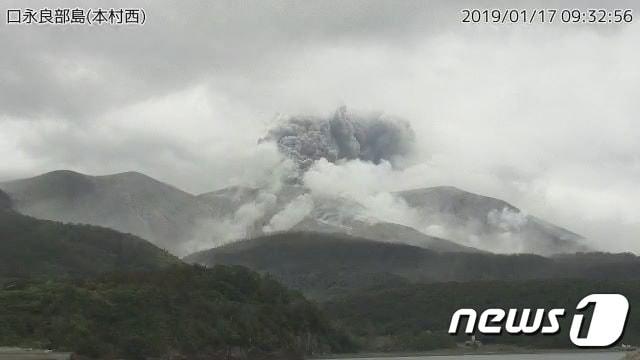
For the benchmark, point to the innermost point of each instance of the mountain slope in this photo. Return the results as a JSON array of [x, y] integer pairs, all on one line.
[[333, 215], [230, 199], [384, 232], [444, 213], [327, 264], [127, 202], [488, 223], [5, 201], [182, 223], [39, 248], [183, 312]]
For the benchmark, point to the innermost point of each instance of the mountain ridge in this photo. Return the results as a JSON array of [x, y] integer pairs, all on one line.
[[129, 202], [451, 219], [324, 265], [32, 248], [471, 219]]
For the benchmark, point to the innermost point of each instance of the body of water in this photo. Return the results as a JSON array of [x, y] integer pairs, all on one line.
[[550, 356]]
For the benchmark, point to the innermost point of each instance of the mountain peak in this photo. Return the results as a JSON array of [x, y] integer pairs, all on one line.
[[487, 223], [72, 182], [130, 175], [130, 202], [59, 175], [70, 174], [438, 194]]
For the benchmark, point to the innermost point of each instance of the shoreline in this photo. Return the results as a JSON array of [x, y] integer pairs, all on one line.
[[463, 352]]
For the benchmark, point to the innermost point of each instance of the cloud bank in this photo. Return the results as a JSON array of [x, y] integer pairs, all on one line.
[[544, 117]]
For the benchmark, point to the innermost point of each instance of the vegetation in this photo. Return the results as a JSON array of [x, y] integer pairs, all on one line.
[[186, 310], [5, 201], [32, 248], [416, 317], [105, 294], [326, 265]]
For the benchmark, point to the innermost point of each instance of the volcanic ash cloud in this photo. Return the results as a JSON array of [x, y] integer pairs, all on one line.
[[344, 136]]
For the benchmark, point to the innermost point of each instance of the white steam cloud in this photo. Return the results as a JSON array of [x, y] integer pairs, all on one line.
[[292, 214]]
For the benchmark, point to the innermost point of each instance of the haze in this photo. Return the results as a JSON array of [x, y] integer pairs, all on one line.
[[542, 116]]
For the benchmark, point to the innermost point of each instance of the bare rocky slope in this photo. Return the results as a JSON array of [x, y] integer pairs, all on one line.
[[451, 219], [488, 223]]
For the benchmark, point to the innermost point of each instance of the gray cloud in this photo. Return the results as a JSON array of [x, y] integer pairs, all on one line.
[[74, 72], [542, 116], [343, 136]]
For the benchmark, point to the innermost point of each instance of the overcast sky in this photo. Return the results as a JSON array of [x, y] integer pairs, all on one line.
[[543, 116]]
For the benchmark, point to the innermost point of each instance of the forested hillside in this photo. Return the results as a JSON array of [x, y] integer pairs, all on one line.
[[219, 313], [32, 248], [325, 265], [5, 201], [416, 317]]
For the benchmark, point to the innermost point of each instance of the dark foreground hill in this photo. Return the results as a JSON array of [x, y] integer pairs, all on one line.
[[416, 317], [5, 201], [221, 313], [32, 248], [327, 264]]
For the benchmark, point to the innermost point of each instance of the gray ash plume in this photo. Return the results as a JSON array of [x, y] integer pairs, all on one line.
[[306, 139]]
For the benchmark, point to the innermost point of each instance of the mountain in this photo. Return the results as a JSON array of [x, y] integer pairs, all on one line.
[[384, 232], [32, 248], [181, 312], [307, 212], [448, 219], [324, 265], [487, 223], [128, 202], [182, 223], [472, 221], [230, 199]]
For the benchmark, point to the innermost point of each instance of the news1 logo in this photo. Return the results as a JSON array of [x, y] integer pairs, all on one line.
[[606, 327]]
